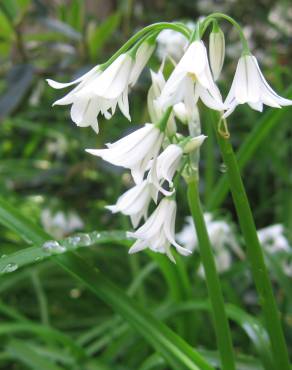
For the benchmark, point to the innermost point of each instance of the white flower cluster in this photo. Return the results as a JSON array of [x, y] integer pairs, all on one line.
[[225, 243], [156, 152], [275, 242], [139, 152], [222, 237]]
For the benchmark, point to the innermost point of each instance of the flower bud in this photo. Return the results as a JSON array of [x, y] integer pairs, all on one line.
[[194, 143], [216, 51]]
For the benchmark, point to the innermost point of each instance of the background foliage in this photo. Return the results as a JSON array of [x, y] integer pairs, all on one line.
[[48, 319]]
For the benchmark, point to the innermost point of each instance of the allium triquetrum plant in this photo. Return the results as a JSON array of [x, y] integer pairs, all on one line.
[[166, 151]]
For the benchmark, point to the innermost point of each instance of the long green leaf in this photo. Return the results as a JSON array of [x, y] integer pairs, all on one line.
[[25, 354], [42, 331], [177, 352]]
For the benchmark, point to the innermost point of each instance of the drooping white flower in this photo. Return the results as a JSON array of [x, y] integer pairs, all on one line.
[[100, 91], [107, 91], [168, 162], [221, 237], [273, 238], [158, 232], [250, 86], [164, 167], [133, 151], [216, 52], [190, 80], [134, 202], [70, 98]]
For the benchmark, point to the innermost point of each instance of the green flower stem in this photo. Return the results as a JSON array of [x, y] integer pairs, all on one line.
[[255, 255], [213, 16], [152, 27], [222, 329]]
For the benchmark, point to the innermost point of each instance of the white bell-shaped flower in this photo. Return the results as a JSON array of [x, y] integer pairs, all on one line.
[[88, 118], [133, 151], [158, 232], [250, 86], [107, 90], [190, 80], [134, 202], [100, 91]]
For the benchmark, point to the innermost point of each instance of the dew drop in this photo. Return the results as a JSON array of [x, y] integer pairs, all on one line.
[[79, 240], [96, 235], [53, 247], [9, 268], [75, 293], [73, 240], [223, 168]]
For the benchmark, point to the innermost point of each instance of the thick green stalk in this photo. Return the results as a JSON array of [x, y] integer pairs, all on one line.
[[255, 255], [213, 284]]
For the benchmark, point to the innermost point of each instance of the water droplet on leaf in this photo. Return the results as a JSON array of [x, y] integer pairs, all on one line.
[[53, 247], [223, 168], [79, 240], [9, 268]]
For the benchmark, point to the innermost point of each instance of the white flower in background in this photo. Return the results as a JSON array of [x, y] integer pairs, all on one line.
[[158, 232], [216, 52], [134, 202], [155, 110], [100, 91], [250, 86], [158, 82], [221, 237], [190, 80], [133, 151], [171, 44], [274, 241], [60, 224], [273, 238]]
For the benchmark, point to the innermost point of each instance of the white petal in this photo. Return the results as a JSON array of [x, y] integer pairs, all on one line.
[[138, 246], [256, 106], [143, 54], [124, 104], [62, 85], [78, 109], [208, 99], [241, 81]]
